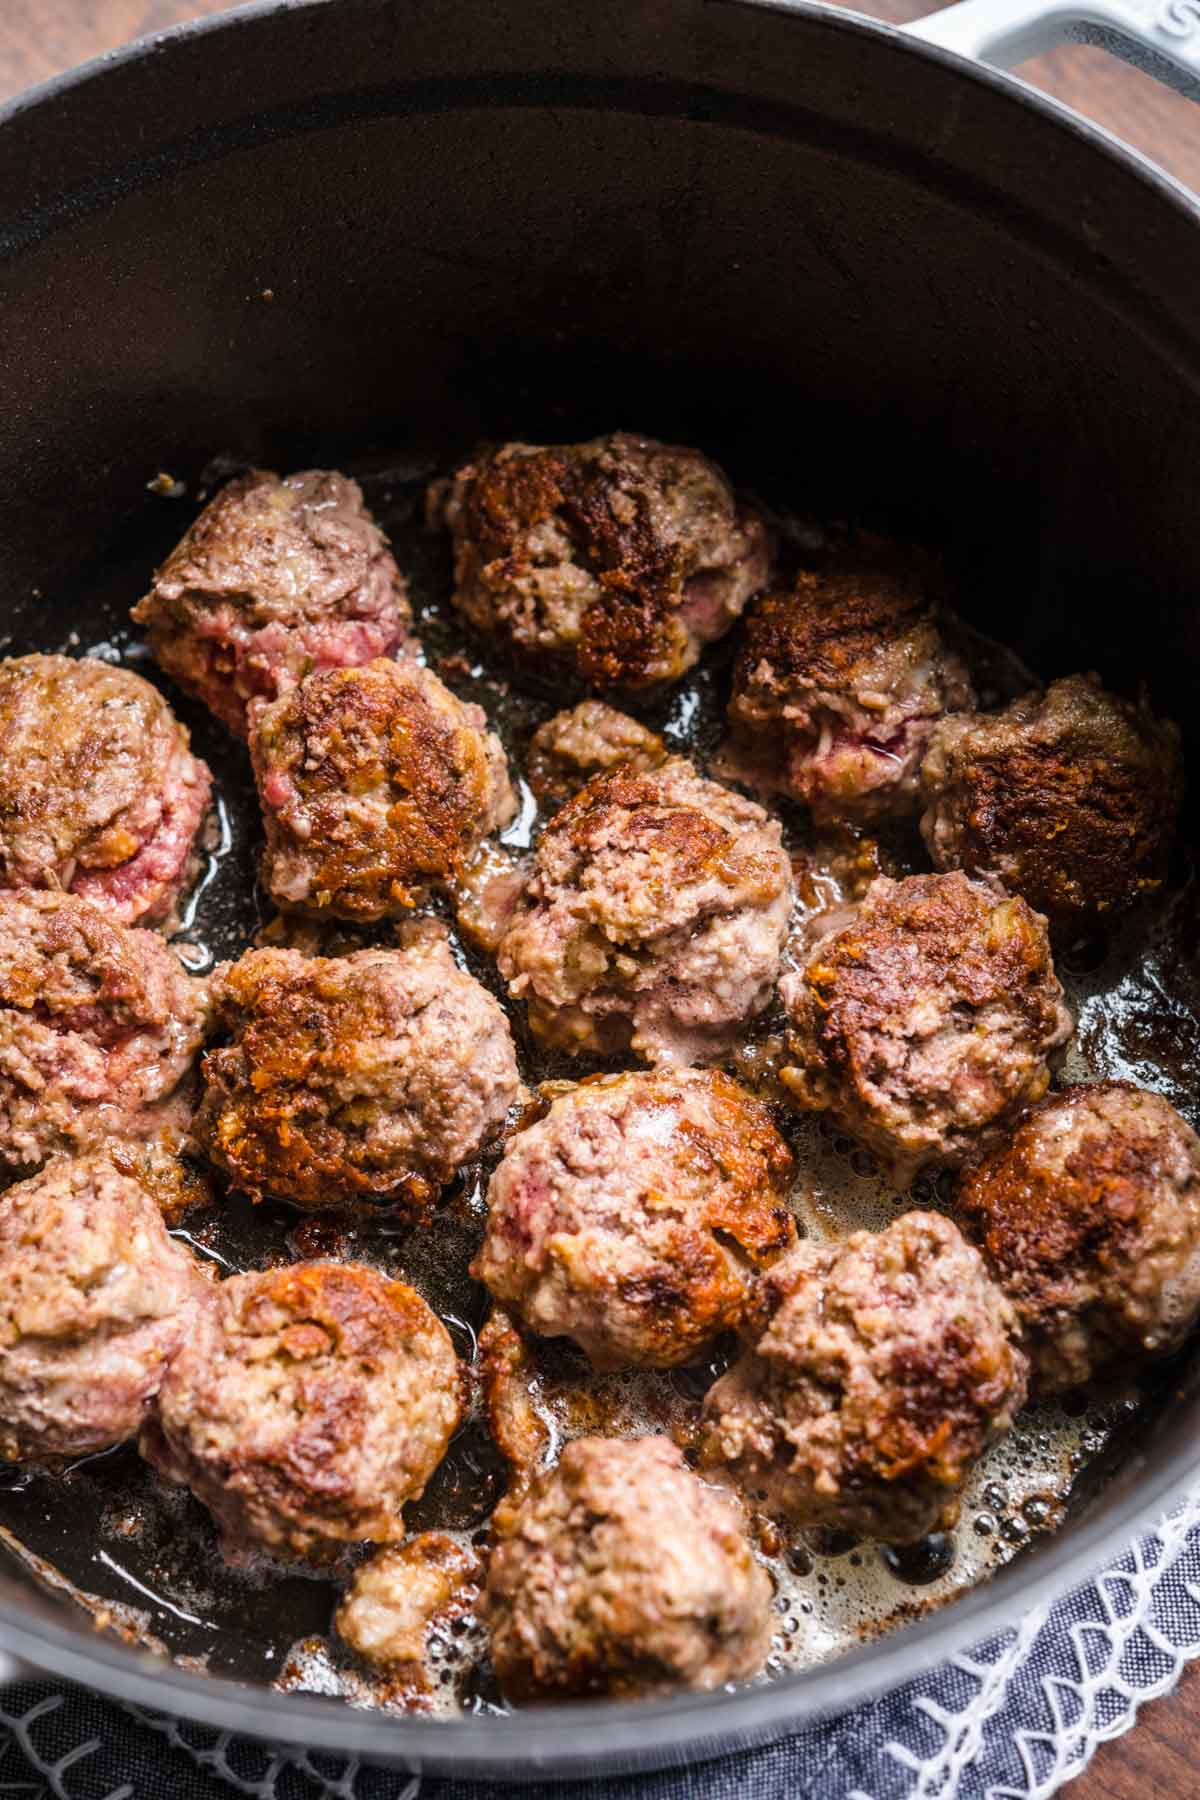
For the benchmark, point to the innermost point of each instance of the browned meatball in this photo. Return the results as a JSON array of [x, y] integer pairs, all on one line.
[[840, 680], [613, 561], [307, 1406], [99, 793], [654, 918], [622, 1573], [1070, 796], [95, 1300], [1089, 1216], [925, 1018], [586, 740], [396, 1599], [632, 1217], [375, 782], [98, 1028], [276, 578], [877, 1372], [355, 1079]]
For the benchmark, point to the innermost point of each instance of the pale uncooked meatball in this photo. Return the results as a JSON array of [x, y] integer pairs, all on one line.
[[277, 578], [306, 1407], [622, 1573], [925, 1018], [376, 783], [354, 1079], [654, 918], [877, 1372], [95, 1300], [1089, 1216], [612, 562], [1070, 796]]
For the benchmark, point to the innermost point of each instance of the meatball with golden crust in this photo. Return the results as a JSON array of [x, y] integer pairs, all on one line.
[[1070, 796], [375, 783], [100, 795], [613, 562], [654, 917], [1089, 1216], [840, 680], [622, 1573], [633, 1216], [877, 1372], [397, 1599], [925, 1018], [95, 1300], [354, 1080], [276, 579], [307, 1406], [586, 740]]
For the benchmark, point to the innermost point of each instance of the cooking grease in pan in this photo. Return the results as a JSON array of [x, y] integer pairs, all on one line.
[[140, 1556]]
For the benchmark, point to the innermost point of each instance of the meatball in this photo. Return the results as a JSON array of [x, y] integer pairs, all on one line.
[[276, 578], [925, 1018], [355, 1079], [95, 1300], [1089, 1216], [307, 1406], [632, 1217], [1070, 796], [612, 562], [877, 1371], [622, 1573], [99, 794], [654, 918], [375, 782], [586, 740], [98, 1028], [839, 682], [395, 1600]]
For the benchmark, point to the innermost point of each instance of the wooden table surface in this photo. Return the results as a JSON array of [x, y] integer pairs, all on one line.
[[1160, 1759]]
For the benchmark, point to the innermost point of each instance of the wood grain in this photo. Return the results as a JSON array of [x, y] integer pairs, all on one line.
[[1160, 1759]]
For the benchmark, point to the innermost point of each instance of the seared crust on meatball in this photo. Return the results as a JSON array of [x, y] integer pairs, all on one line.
[[1089, 1216], [1070, 796], [98, 1028], [928, 1020], [654, 918], [375, 783], [276, 578], [839, 682], [308, 1405], [586, 740], [878, 1370], [95, 1300], [614, 561], [99, 792], [622, 1573], [355, 1079], [633, 1216]]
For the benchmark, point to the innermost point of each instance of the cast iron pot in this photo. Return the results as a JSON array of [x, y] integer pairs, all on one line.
[[809, 241]]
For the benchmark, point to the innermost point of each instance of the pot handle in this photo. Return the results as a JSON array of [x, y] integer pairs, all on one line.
[[1160, 36]]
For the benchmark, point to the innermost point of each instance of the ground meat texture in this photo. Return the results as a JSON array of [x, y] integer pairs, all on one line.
[[613, 562], [375, 784], [839, 682], [354, 1080], [508, 1385], [397, 1599], [276, 579], [99, 792], [1089, 1216], [633, 1216], [95, 1300], [622, 1573], [877, 1372], [586, 740], [308, 1405], [99, 1025], [926, 1018], [654, 918], [1070, 796]]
